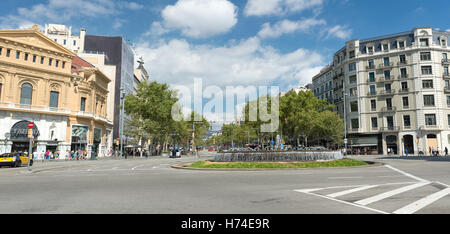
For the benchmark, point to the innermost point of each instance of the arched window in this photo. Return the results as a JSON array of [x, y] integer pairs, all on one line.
[[26, 93]]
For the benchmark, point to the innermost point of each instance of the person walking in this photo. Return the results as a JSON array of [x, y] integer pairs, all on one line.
[[406, 151]]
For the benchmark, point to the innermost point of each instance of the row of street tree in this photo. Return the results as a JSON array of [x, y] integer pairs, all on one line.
[[303, 120], [150, 109]]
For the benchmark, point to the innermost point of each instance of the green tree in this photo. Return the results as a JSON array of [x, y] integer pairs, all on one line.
[[151, 111]]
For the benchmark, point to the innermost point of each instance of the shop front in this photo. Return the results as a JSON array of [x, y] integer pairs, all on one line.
[[19, 136], [79, 138]]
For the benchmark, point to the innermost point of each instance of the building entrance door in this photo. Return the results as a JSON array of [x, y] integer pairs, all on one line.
[[432, 143], [408, 142], [391, 142]]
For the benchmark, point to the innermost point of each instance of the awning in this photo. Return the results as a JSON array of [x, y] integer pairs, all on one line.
[[362, 141], [364, 145]]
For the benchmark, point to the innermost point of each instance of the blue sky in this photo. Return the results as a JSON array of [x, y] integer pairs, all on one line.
[[232, 42]]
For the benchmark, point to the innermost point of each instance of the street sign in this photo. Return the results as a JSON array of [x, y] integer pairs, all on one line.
[[30, 125], [345, 141]]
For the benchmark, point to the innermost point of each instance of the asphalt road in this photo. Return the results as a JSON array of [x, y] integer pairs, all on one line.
[[151, 186]]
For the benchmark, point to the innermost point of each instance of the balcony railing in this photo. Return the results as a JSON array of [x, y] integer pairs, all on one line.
[[34, 108], [51, 110], [402, 63], [386, 79], [386, 65], [429, 127], [447, 89], [372, 94], [370, 67], [389, 109], [403, 76], [386, 92], [338, 87], [445, 61], [403, 90], [390, 129]]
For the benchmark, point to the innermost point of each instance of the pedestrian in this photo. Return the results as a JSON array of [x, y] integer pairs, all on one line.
[[429, 150], [406, 151], [446, 151]]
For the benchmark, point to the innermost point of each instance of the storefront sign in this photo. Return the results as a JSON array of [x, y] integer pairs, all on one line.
[[80, 134], [20, 131]]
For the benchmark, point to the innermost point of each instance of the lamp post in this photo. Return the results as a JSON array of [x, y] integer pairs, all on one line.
[[345, 122], [30, 146], [122, 98]]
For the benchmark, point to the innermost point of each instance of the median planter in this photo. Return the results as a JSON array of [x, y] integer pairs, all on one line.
[[278, 156], [211, 165]]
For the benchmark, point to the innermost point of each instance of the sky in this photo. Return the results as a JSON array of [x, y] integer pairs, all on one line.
[[224, 43]]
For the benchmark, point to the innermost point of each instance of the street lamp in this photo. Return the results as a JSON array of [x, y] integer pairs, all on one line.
[[122, 98], [345, 121]]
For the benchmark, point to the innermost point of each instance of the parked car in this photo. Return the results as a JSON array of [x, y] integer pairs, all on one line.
[[14, 159]]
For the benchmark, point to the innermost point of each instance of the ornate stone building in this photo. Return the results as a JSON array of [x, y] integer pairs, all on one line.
[[43, 82]]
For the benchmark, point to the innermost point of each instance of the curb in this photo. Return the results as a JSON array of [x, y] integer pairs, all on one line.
[[184, 167]]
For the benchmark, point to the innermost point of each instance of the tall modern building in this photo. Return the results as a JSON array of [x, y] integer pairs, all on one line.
[[393, 91], [121, 55]]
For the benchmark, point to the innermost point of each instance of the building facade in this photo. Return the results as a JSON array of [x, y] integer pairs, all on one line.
[[119, 54], [45, 83], [113, 56], [63, 35], [393, 91]]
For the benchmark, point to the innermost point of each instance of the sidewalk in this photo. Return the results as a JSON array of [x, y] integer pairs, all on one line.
[[411, 157]]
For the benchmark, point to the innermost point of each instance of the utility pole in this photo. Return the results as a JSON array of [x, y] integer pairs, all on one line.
[[345, 121], [30, 146]]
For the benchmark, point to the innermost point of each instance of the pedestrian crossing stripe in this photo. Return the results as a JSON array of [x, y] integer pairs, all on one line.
[[363, 203]]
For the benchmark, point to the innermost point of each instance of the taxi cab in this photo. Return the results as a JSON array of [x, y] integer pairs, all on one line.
[[14, 159]]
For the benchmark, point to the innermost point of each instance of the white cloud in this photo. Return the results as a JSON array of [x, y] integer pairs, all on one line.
[[339, 31], [279, 7], [247, 62], [63, 11], [199, 18], [130, 5], [287, 26], [156, 29]]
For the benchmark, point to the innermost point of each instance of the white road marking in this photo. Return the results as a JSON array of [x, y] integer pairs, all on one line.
[[391, 176], [391, 193], [134, 168], [348, 203], [406, 174], [351, 191], [337, 178], [417, 205], [317, 189]]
